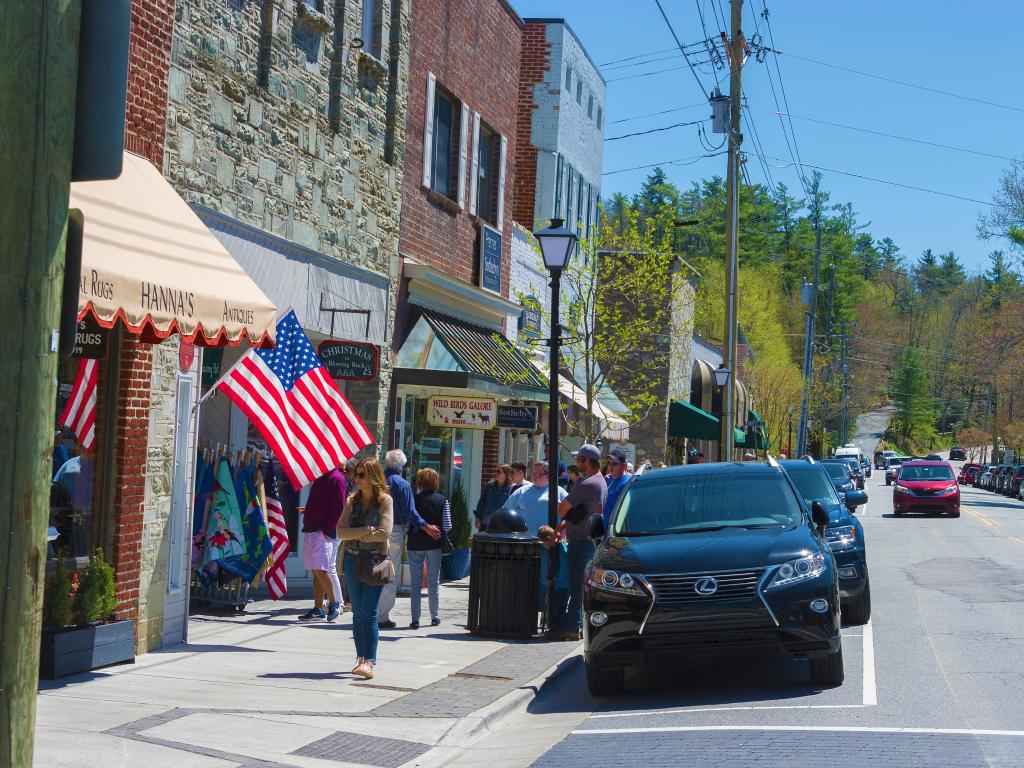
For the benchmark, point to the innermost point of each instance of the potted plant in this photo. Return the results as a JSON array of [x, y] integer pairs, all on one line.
[[92, 640], [456, 563]]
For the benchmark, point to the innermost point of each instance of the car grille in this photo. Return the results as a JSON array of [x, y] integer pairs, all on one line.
[[679, 589]]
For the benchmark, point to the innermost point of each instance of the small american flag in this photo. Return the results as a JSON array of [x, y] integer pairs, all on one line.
[[80, 413], [293, 401], [277, 583]]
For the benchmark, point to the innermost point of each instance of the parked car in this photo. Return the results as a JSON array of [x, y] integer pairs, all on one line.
[[892, 468], [926, 486], [999, 478], [841, 475], [985, 478], [1011, 487], [856, 470], [845, 535], [957, 454], [881, 456], [968, 473], [708, 560]]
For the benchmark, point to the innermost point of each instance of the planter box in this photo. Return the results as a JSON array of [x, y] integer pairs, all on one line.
[[455, 565], [79, 649]]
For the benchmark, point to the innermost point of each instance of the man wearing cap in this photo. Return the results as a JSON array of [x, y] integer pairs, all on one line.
[[616, 479], [585, 501]]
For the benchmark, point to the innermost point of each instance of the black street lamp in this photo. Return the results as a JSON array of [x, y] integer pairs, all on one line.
[[721, 381], [557, 244]]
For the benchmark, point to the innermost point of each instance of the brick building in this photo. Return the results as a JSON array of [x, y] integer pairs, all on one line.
[[286, 133], [142, 308], [455, 242]]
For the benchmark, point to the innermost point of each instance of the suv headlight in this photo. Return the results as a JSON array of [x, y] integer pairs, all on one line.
[[613, 581], [949, 489], [902, 489], [796, 571], [841, 537]]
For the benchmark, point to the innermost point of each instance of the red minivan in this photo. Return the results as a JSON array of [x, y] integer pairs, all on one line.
[[926, 486]]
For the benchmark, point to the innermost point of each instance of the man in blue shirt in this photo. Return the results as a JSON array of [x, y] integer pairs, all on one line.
[[406, 519], [531, 500], [617, 479]]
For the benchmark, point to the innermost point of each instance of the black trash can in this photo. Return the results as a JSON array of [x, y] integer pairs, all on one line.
[[504, 578]]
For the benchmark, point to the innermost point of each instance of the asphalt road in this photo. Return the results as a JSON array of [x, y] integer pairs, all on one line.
[[935, 679]]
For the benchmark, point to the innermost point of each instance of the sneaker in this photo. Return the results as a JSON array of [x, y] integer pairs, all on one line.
[[435, 622], [414, 625], [388, 624], [332, 611], [314, 613]]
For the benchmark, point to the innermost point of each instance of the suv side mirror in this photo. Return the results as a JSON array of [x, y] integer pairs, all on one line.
[[819, 515], [855, 499]]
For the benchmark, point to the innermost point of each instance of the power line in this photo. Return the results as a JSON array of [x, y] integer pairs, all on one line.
[[648, 74], [682, 49], [637, 56], [882, 181], [656, 114], [680, 162], [901, 82], [892, 136], [655, 130], [758, 145]]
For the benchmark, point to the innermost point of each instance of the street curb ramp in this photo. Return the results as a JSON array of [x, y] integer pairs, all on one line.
[[471, 729]]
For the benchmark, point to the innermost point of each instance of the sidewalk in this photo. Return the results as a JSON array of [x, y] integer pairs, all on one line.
[[262, 689]]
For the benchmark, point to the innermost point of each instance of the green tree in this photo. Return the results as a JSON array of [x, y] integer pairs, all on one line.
[[915, 416]]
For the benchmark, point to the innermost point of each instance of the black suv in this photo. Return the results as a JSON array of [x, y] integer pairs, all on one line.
[[712, 559]]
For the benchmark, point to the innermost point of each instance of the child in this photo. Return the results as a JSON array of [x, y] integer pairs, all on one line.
[[560, 596]]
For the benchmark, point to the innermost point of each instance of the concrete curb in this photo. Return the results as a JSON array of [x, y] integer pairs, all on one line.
[[487, 719]]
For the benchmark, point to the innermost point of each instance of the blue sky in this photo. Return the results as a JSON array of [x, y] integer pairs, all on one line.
[[966, 48]]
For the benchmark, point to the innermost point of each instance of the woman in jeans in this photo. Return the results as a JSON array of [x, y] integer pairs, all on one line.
[[421, 547], [365, 526]]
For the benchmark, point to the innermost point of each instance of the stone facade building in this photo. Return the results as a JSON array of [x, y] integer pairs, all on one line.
[[286, 133]]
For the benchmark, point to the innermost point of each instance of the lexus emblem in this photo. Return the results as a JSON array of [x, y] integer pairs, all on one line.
[[706, 586]]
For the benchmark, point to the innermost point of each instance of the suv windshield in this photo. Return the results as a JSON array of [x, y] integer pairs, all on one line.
[[706, 502], [837, 471], [925, 472], [813, 484], [893, 462]]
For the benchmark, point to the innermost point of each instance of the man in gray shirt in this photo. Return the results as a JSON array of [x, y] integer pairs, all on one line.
[[578, 511]]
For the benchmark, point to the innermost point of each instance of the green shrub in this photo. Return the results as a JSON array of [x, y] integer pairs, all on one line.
[[462, 529], [57, 596], [97, 593]]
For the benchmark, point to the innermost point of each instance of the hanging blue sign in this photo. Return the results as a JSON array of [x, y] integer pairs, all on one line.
[[518, 416], [490, 259]]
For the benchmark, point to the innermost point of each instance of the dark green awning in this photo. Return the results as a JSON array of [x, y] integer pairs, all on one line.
[[686, 420], [755, 437]]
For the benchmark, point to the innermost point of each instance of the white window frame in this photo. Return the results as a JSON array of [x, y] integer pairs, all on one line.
[[475, 164], [428, 132], [501, 184]]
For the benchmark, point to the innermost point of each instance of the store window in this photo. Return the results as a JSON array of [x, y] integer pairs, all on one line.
[[488, 170], [74, 522], [444, 159], [443, 449]]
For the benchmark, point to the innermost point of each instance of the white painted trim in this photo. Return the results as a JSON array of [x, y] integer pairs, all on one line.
[[688, 710], [428, 130], [501, 185], [474, 173], [870, 687], [463, 153], [811, 728]]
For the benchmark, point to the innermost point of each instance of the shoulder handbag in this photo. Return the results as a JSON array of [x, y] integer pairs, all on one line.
[[446, 543], [375, 568]]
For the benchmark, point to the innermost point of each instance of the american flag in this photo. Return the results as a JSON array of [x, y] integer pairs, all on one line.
[[80, 413], [277, 583], [293, 401]]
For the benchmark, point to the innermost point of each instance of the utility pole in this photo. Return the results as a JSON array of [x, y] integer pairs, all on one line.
[[812, 309], [38, 76], [732, 230], [844, 428], [993, 409], [831, 299]]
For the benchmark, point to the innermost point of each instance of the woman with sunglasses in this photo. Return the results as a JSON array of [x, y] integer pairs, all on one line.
[[365, 526]]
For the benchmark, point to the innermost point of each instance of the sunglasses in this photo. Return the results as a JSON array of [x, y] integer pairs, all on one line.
[[360, 474]]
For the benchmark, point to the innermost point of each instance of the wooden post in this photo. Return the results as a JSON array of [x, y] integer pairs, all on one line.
[[38, 76]]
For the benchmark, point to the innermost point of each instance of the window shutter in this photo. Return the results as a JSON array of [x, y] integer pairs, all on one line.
[[428, 132], [474, 166], [501, 185], [463, 153]]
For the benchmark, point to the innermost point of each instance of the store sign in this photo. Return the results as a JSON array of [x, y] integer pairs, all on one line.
[[89, 340], [349, 360], [213, 359], [463, 412], [186, 355], [490, 259], [529, 319], [518, 417]]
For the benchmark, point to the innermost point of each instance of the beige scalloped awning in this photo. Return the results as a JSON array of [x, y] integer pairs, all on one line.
[[149, 261]]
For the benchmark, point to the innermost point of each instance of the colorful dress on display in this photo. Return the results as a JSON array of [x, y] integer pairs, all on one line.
[[224, 538]]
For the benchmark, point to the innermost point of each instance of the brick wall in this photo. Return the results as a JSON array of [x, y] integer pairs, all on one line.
[[148, 60], [489, 464], [472, 48], [533, 64]]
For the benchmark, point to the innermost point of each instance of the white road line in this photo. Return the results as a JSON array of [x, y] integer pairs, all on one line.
[[688, 710], [870, 689], [816, 728]]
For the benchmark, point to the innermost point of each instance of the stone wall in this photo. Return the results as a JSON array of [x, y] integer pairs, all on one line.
[[472, 48], [296, 131]]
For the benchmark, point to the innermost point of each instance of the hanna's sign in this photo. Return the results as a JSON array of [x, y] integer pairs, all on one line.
[[349, 360], [462, 412]]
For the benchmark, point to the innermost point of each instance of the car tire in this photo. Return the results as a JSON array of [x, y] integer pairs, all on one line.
[[858, 610], [828, 672], [955, 514], [897, 513], [605, 681]]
